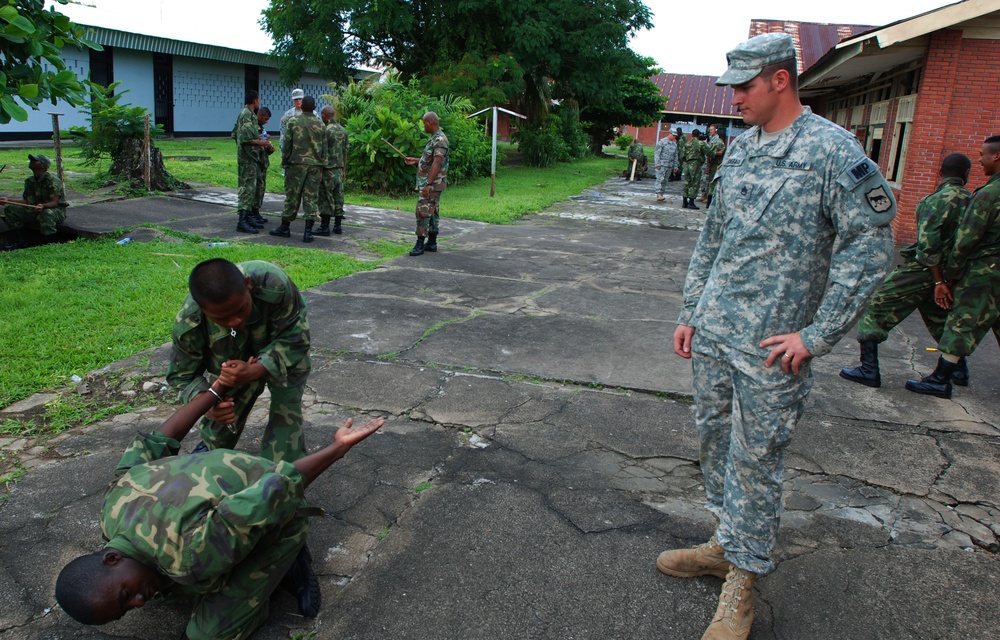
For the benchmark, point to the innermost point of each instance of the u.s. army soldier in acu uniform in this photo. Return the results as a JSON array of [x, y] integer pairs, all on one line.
[[225, 528], [973, 279], [247, 325], [249, 146], [331, 194], [43, 201], [694, 160], [303, 154], [792, 248], [665, 161], [432, 179], [919, 282]]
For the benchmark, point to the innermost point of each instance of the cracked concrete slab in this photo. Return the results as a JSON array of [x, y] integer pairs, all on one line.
[[541, 451]]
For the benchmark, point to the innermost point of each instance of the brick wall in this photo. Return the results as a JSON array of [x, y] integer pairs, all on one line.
[[955, 111]]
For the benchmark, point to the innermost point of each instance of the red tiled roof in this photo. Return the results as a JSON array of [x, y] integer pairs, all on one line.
[[695, 94], [812, 40]]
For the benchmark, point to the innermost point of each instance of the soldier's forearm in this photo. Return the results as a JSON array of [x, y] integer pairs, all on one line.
[[178, 425]]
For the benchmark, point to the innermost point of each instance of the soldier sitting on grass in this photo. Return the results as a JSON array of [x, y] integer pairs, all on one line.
[[223, 527], [43, 203]]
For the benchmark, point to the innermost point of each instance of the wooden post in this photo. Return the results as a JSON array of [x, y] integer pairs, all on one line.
[[146, 152], [58, 141]]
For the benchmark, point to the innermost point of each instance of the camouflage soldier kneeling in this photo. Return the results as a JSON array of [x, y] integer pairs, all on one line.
[[224, 527]]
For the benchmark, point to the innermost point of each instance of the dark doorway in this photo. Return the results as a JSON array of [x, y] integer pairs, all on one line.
[[102, 67], [252, 78], [163, 90]]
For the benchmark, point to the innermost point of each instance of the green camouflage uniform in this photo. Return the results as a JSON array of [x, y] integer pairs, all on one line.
[[681, 154], [223, 527], [38, 191], [665, 161], [428, 208], [911, 285], [714, 161], [277, 333], [797, 240], [694, 160], [636, 152], [974, 262], [263, 159], [303, 154], [246, 130], [331, 198]]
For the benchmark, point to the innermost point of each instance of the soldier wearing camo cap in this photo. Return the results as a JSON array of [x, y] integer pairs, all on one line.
[[225, 528], [794, 244], [43, 202]]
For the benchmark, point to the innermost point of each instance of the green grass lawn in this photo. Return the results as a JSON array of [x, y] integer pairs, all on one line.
[[72, 308]]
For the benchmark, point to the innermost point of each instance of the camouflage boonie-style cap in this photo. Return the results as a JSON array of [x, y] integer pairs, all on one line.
[[749, 58], [298, 93], [40, 159]]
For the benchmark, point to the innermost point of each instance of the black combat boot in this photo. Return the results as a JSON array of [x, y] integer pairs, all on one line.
[[301, 582], [868, 373], [244, 226], [258, 220], [418, 249], [337, 229], [19, 242], [708, 201], [432, 243], [324, 227], [938, 383], [282, 231], [961, 374], [307, 235]]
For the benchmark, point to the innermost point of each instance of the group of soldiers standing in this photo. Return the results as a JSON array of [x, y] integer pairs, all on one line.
[[313, 161], [695, 159]]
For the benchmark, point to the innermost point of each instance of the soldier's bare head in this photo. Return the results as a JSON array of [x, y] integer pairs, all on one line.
[[956, 165], [222, 291], [308, 104], [104, 586], [328, 113], [252, 98], [263, 115], [431, 124], [989, 155]]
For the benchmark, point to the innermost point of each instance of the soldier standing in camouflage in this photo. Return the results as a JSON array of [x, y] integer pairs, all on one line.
[[792, 248], [43, 201], [973, 279], [681, 148], [246, 132], [665, 161], [263, 157], [225, 528], [331, 193], [432, 179], [303, 154], [694, 159], [247, 325], [918, 283], [715, 150]]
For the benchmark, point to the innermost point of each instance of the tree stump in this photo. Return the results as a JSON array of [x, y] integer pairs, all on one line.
[[128, 165]]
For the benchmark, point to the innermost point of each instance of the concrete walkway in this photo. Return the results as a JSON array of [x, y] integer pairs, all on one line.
[[540, 452]]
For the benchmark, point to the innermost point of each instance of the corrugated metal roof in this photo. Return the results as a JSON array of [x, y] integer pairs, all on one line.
[[697, 95], [812, 39], [140, 42]]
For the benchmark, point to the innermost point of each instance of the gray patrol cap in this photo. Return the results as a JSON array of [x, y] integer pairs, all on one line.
[[298, 93], [749, 58]]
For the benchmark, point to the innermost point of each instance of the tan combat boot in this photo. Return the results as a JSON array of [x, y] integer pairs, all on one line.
[[734, 617], [706, 559], [659, 197]]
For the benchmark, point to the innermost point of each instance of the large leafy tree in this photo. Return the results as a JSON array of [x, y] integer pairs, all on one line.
[[632, 99], [31, 66], [529, 52]]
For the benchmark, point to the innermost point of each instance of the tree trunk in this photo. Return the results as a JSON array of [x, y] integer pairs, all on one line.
[[128, 165]]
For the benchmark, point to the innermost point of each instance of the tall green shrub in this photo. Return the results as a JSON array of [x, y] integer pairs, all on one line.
[[541, 143]]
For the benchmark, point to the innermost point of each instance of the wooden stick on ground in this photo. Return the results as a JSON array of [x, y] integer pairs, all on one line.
[[635, 163]]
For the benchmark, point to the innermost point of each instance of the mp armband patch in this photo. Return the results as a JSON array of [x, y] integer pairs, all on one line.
[[879, 199], [860, 171]]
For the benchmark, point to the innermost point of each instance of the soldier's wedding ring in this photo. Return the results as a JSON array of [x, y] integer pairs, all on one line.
[[788, 355]]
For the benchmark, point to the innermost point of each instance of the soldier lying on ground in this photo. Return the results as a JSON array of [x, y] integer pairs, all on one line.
[[224, 527]]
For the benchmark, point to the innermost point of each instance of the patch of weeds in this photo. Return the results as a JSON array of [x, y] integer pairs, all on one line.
[[309, 635], [521, 378], [383, 534], [387, 356], [18, 429], [423, 486], [444, 323], [173, 233], [387, 249], [72, 410], [10, 470]]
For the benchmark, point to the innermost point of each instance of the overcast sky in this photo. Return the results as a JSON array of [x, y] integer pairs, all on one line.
[[688, 37]]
